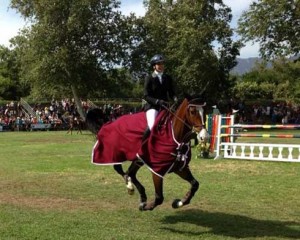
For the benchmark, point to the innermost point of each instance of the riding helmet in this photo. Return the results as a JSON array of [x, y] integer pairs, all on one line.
[[158, 58]]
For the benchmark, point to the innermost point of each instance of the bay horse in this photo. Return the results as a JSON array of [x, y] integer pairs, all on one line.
[[167, 149]]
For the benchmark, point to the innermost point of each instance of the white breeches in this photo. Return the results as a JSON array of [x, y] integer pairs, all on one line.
[[151, 115]]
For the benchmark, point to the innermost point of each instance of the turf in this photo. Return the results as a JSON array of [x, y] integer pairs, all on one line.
[[50, 190]]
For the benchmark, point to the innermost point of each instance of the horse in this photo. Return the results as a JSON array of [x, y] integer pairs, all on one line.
[[75, 122], [167, 149]]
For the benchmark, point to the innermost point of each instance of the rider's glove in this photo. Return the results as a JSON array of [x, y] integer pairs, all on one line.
[[163, 104]]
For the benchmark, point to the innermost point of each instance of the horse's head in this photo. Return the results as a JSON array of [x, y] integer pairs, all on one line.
[[95, 118], [194, 114], [187, 118]]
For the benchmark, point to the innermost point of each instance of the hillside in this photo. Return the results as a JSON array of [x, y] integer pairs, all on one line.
[[245, 65]]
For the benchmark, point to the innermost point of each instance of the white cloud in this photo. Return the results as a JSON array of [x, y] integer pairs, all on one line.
[[250, 50], [8, 31], [10, 23]]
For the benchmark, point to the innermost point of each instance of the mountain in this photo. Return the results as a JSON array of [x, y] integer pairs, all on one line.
[[245, 65]]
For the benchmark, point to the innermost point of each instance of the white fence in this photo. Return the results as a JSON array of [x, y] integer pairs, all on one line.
[[253, 151], [262, 151]]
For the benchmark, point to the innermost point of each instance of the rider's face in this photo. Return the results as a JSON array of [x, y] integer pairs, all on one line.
[[159, 67]]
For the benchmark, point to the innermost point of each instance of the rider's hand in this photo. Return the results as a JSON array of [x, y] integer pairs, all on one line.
[[163, 104]]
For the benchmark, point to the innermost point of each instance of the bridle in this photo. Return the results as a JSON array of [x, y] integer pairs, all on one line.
[[192, 128], [198, 107]]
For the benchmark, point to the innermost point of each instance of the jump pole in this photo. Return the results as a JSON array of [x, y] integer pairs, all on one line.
[[262, 135], [219, 133], [257, 126], [230, 148]]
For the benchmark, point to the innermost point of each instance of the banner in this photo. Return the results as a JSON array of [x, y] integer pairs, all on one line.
[[40, 126]]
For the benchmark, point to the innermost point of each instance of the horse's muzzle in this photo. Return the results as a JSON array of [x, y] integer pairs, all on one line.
[[197, 129]]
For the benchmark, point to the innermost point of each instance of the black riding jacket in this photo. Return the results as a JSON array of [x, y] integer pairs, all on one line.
[[155, 91]]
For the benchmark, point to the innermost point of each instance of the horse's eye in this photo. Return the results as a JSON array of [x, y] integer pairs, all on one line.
[[193, 112]]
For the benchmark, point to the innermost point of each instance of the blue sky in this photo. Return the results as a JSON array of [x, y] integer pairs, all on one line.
[[11, 22]]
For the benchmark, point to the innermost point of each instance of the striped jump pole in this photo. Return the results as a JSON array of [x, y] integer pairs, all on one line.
[[262, 135], [258, 126], [229, 120]]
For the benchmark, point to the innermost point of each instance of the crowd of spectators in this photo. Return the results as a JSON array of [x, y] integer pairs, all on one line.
[[58, 114], [271, 113], [55, 115]]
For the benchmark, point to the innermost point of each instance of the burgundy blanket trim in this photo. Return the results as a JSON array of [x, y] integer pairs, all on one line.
[[97, 163]]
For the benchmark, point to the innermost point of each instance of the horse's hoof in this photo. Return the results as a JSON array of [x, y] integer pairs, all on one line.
[[130, 191], [177, 203], [142, 206]]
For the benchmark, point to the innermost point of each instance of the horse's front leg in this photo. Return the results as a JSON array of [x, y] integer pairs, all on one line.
[[186, 175], [159, 197]]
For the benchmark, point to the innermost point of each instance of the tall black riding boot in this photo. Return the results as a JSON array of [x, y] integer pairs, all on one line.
[[140, 156], [146, 134]]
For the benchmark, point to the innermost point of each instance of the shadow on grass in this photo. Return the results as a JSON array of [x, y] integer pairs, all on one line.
[[236, 226]]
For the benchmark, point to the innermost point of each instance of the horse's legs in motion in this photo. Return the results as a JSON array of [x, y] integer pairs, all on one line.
[[186, 175], [119, 169], [131, 173], [159, 197], [130, 178]]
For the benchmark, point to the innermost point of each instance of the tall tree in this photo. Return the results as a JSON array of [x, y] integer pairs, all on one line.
[[275, 25], [11, 88], [71, 44], [279, 82], [186, 32]]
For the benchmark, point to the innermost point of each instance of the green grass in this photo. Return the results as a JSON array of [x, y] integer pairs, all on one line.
[[50, 190]]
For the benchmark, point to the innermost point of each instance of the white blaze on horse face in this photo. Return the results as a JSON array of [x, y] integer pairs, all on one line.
[[201, 112]]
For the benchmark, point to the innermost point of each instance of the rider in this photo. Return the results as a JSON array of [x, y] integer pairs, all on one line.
[[158, 89]]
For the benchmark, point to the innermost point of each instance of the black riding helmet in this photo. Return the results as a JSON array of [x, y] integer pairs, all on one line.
[[158, 58]]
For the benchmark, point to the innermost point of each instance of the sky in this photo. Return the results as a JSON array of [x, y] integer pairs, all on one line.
[[11, 22]]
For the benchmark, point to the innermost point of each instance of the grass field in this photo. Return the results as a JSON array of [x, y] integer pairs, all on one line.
[[50, 190]]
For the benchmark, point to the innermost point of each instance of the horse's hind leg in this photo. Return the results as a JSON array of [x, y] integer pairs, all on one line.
[[131, 173], [119, 169], [186, 175]]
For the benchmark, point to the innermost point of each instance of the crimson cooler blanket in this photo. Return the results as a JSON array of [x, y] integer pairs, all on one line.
[[121, 140]]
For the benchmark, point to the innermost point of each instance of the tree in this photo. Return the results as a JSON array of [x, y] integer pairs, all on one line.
[[186, 32], [71, 44], [279, 82], [275, 24], [11, 88]]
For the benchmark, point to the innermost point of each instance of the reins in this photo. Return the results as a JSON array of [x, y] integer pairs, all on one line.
[[178, 118], [181, 154], [181, 120], [187, 136]]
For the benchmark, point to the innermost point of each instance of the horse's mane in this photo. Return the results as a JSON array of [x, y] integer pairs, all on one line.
[[179, 114]]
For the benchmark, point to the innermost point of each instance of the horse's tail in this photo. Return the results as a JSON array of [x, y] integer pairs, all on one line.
[[95, 118]]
